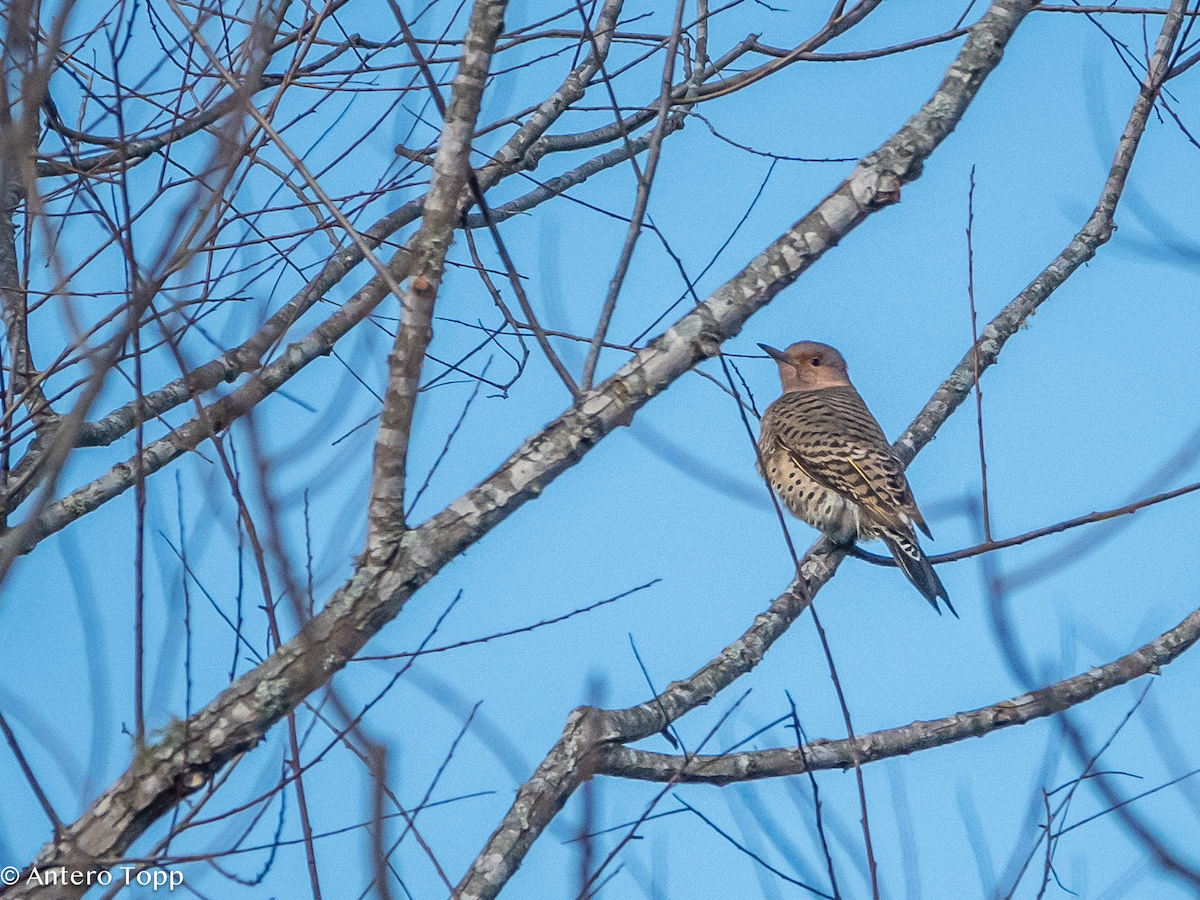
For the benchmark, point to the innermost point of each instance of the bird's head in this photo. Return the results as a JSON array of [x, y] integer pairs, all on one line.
[[809, 366]]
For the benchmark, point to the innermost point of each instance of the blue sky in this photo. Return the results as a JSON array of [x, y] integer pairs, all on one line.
[[1085, 405]]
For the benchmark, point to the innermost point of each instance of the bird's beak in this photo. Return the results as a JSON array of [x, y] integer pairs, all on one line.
[[777, 355]]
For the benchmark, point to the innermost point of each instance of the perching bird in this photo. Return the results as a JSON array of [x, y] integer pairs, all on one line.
[[829, 462]]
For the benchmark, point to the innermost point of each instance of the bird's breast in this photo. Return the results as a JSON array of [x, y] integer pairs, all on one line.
[[838, 517]]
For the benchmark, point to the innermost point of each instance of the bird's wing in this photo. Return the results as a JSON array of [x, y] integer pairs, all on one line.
[[833, 437]]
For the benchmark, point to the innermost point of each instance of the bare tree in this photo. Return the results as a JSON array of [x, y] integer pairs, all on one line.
[[229, 236]]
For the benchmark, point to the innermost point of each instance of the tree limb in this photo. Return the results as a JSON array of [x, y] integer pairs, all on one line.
[[443, 208], [730, 768]]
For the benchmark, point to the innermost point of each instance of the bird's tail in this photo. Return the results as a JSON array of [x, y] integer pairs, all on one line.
[[913, 563]]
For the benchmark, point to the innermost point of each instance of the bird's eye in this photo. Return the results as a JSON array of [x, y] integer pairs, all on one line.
[[816, 361]]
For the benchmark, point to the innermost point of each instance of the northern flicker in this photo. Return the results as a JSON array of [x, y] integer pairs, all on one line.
[[829, 462]]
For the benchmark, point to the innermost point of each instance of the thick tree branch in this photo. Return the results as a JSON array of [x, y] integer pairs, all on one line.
[[626, 762], [443, 209], [25, 382]]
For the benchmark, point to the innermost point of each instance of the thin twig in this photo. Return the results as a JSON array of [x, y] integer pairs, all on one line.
[[987, 521], [645, 182], [801, 740], [1036, 533], [42, 799]]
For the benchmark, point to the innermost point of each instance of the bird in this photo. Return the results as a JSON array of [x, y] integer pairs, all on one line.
[[826, 457]]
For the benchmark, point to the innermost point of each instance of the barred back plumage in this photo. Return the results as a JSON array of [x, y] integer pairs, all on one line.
[[830, 463]]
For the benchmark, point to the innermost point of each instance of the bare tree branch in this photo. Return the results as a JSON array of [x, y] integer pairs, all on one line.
[[616, 759], [443, 208]]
